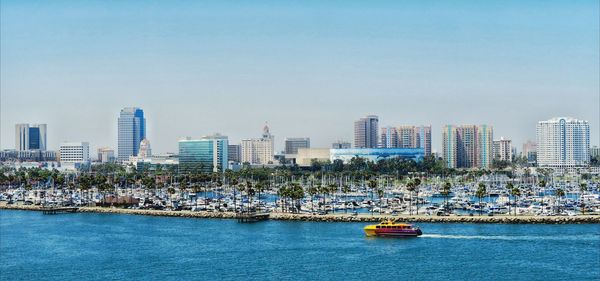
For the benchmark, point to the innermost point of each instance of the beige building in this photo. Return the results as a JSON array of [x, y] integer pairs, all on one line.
[[259, 151], [305, 156], [503, 150]]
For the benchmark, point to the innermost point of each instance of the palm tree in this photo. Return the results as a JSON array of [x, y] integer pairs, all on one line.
[[542, 184], [410, 186], [312, 191], [560, 193], [446, 188], [582, 189], [480, 193], [515, 192], [372, 184], [417, 183], [234, 184]]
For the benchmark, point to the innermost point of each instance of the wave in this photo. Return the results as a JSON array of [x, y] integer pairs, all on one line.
[[584, 237]]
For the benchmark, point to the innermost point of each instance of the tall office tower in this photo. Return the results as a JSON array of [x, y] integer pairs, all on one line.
[[389, 137], [365, 132], [30, 137], [106, 155], [259, 151], [563, 142], [74, 152], [503, 150], [341, 145], [208, 154], [468, 146], [234, 153], [292, 144], [132, 130]]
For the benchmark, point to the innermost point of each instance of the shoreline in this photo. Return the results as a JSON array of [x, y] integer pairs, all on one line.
[[341, 217]]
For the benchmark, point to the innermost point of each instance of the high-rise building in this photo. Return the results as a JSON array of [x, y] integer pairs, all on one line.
[[503, 150], [563, 142], [530, 152], [389, 137], [74, 152], [341, 145], [292, 144], [260, 150], [145, 149], [468, 146], [30, 137], [594, 151], [132, 130], [234, 153], [408, 137], [106, 155], [208, 154], [366, 132]]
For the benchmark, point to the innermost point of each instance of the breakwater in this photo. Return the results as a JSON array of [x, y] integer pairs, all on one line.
[[507, 219]]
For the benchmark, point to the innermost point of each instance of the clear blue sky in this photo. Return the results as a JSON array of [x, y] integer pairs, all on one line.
[[310, 68]]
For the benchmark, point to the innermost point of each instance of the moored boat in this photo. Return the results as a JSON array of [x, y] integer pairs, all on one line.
[[393, 229]]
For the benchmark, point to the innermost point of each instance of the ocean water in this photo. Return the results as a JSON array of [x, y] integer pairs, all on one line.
[[87, 246]]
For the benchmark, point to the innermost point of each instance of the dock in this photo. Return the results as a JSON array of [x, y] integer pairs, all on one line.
[[251, 217], [58, 210]]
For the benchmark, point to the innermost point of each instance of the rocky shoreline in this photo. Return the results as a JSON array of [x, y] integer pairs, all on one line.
[[339, 217]]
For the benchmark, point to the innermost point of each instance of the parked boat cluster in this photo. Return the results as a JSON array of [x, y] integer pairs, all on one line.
[[386, 199]]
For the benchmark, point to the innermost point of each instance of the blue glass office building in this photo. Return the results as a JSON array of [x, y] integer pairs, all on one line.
[[376, 154], [132, 130], [209, 154]]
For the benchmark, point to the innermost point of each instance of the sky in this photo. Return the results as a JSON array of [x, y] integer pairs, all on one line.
[[308, 68]]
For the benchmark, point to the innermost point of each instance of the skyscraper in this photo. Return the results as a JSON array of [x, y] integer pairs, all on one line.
[[468, 146], [340, 144], [30, 137], [366, 132], [260, 150], [208, 154], [563, 142], [292, 144], [132, 130]]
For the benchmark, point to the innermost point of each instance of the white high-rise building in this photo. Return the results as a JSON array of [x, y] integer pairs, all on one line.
[[74, 152], [259, 151], [563, 142], [503, 150]]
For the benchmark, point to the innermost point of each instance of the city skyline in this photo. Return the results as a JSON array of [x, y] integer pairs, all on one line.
[[308, 69]]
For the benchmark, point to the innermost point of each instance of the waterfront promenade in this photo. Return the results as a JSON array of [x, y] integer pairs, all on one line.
[[340, 217]]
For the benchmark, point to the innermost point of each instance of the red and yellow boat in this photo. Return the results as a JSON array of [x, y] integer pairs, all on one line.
[[393, 229]]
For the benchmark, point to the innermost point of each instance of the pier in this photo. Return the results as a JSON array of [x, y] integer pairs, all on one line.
[[251, 217], [58, 210]]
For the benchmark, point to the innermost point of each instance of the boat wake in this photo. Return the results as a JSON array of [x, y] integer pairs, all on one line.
[[585, 237]]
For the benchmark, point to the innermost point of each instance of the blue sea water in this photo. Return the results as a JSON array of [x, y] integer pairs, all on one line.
[[86, 246]]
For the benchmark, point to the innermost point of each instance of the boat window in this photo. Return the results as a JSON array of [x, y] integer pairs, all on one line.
[[377, 226]]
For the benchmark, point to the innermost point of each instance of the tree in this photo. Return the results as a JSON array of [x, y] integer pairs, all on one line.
[[446, 188], [582, 189], [410, 187], [515, 192], [417, 184], [480, 193], [372, 184], [560, 193]]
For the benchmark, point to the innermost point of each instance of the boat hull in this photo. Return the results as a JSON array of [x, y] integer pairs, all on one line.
[[371, 230]]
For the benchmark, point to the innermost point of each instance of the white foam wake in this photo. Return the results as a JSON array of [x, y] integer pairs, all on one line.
[[583, 237]]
